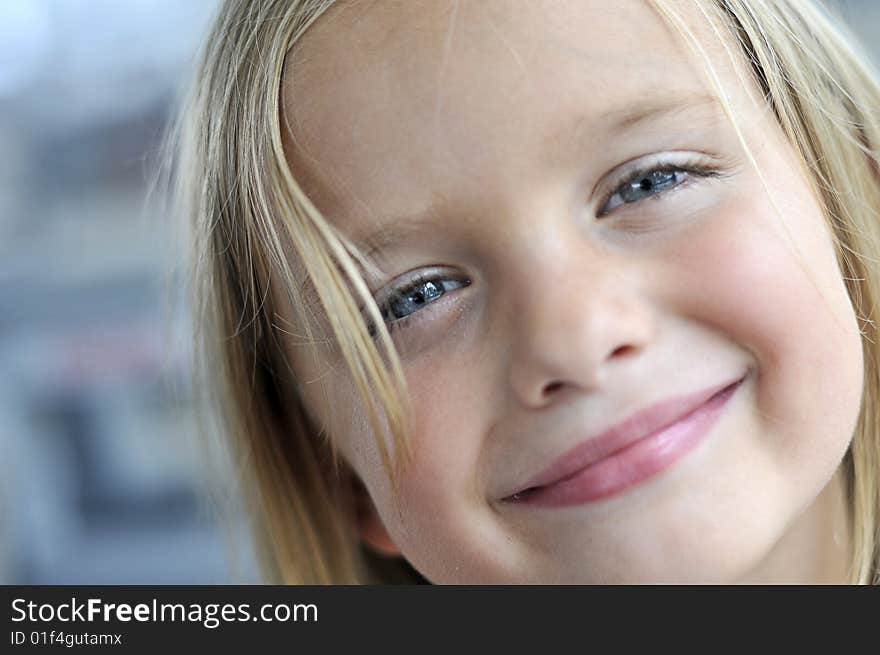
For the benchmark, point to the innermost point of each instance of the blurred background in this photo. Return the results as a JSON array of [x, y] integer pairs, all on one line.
[[100, 475], [101, 479]]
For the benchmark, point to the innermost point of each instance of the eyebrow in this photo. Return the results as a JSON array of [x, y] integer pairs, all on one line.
[[394, 230], [398, 229], [626, 118], [633, 115]]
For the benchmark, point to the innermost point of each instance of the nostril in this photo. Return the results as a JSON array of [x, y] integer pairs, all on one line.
[[622, 350], [553, 386]]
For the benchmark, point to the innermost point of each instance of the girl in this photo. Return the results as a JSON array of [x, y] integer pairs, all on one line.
[[562, 291]]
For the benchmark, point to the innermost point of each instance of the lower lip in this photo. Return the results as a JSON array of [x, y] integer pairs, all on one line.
[[635, 463]]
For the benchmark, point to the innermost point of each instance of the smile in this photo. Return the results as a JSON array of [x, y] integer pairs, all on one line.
[[582, 476]]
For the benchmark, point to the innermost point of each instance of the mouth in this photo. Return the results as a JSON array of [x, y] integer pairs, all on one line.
[[637, 449]]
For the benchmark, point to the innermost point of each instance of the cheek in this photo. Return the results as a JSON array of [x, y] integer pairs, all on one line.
[[447, 412], [773, 287], [446, 528], [451, 393]]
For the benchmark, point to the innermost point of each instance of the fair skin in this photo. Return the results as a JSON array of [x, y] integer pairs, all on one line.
[[500, 117]]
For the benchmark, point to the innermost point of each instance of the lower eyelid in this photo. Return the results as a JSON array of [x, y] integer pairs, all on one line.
[[693, 176], [436, 312], [650, 220]]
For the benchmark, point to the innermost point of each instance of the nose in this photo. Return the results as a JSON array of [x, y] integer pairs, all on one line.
[[577, 315]]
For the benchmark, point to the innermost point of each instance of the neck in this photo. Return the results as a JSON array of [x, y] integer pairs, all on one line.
[[816, 548]]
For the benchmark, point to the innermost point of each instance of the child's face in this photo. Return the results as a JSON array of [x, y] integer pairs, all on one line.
[[562, 300]]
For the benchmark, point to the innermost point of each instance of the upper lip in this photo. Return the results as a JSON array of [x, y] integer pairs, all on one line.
[[637, 426]]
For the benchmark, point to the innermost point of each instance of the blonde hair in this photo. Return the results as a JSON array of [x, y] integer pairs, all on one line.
[[245, 212]]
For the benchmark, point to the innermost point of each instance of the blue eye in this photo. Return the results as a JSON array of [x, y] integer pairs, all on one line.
[[415, 295], [648, 182]]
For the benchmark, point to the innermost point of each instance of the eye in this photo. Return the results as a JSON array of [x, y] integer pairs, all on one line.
[[652, 181], [404, 300]]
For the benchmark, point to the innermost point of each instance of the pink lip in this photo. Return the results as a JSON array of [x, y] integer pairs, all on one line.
[[634, 450]]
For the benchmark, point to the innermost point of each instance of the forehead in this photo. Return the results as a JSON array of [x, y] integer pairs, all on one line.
[[392, 104]]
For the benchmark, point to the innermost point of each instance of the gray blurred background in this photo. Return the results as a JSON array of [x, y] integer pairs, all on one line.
[[100, 474]]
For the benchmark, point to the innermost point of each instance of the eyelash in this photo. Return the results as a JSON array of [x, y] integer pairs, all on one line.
[[408, 289], [691, 168]]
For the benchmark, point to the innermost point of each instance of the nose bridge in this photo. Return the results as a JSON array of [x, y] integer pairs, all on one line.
[[577, 310]]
